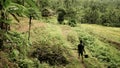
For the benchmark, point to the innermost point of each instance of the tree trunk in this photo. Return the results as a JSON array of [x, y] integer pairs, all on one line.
[[29, 27], [3, 24], [1, 43], [23, 2]]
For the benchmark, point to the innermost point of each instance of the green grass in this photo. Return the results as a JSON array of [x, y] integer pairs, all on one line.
[[100, 52], [63, 39], [110, 33]]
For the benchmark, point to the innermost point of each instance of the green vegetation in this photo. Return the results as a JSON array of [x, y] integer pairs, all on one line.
[[45, 33], [60, 41], [98, 47]]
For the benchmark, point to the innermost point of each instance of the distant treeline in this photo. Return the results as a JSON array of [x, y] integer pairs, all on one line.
[[104, 12]]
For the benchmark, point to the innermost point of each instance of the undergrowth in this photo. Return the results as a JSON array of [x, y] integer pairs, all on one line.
[[105, 55], [54, 46]]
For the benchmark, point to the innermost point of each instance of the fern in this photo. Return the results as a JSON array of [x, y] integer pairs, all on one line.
[[32, 4]]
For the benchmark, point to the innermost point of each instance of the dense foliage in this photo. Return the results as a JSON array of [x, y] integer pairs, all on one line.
[[95, 12], [48, 45]]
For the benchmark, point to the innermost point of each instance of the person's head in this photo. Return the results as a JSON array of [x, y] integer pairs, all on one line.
[[81, 41]]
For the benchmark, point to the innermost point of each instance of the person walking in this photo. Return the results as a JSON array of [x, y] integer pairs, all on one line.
[[81, 50]]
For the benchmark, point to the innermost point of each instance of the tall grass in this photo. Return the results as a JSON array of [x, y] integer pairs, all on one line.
[[62, 40], [100, 52], [105, 54]]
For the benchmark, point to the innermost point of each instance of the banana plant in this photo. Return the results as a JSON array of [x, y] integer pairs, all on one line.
[[7, 9]]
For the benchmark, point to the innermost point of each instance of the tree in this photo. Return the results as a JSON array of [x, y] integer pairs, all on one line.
[[91, 16], [7, 7], [61, 14]]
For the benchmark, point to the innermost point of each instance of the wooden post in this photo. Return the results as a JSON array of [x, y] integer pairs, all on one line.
[[1, 43], [29, 27]]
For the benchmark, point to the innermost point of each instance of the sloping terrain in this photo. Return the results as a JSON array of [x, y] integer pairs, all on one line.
[[108, 34], [50, 40]]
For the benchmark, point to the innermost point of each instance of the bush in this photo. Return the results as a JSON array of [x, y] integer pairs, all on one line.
[[16, 41], [88, 39], [53, 55], [61, 14], [16, 46], [14, 54], [72, 23], [26, 63], [5, 62]]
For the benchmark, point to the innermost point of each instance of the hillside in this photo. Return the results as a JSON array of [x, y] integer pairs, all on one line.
[[46, 33], [48, 40]]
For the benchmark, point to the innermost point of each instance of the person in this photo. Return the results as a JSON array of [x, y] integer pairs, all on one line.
[[81, 49]]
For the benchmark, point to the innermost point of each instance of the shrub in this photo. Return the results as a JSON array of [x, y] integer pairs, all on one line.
[[61, 14], [72, 23], [52, 55], [17, 41], [88, 39], [14, 54], [5, 62], [25, 63]]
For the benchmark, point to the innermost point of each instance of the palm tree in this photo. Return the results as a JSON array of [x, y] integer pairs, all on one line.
[[5, 12], [7, 7]]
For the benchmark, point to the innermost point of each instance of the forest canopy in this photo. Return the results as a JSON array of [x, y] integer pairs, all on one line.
[[103, 12]]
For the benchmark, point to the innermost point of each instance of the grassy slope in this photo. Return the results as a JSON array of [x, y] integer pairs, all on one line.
[[110, 33], [101, 49], [101, 53]]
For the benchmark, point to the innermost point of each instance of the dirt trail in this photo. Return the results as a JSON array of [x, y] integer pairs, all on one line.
[[76, 57], [65, 31]]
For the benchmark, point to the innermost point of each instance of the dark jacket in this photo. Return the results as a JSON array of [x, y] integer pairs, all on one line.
[[80, 48]]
